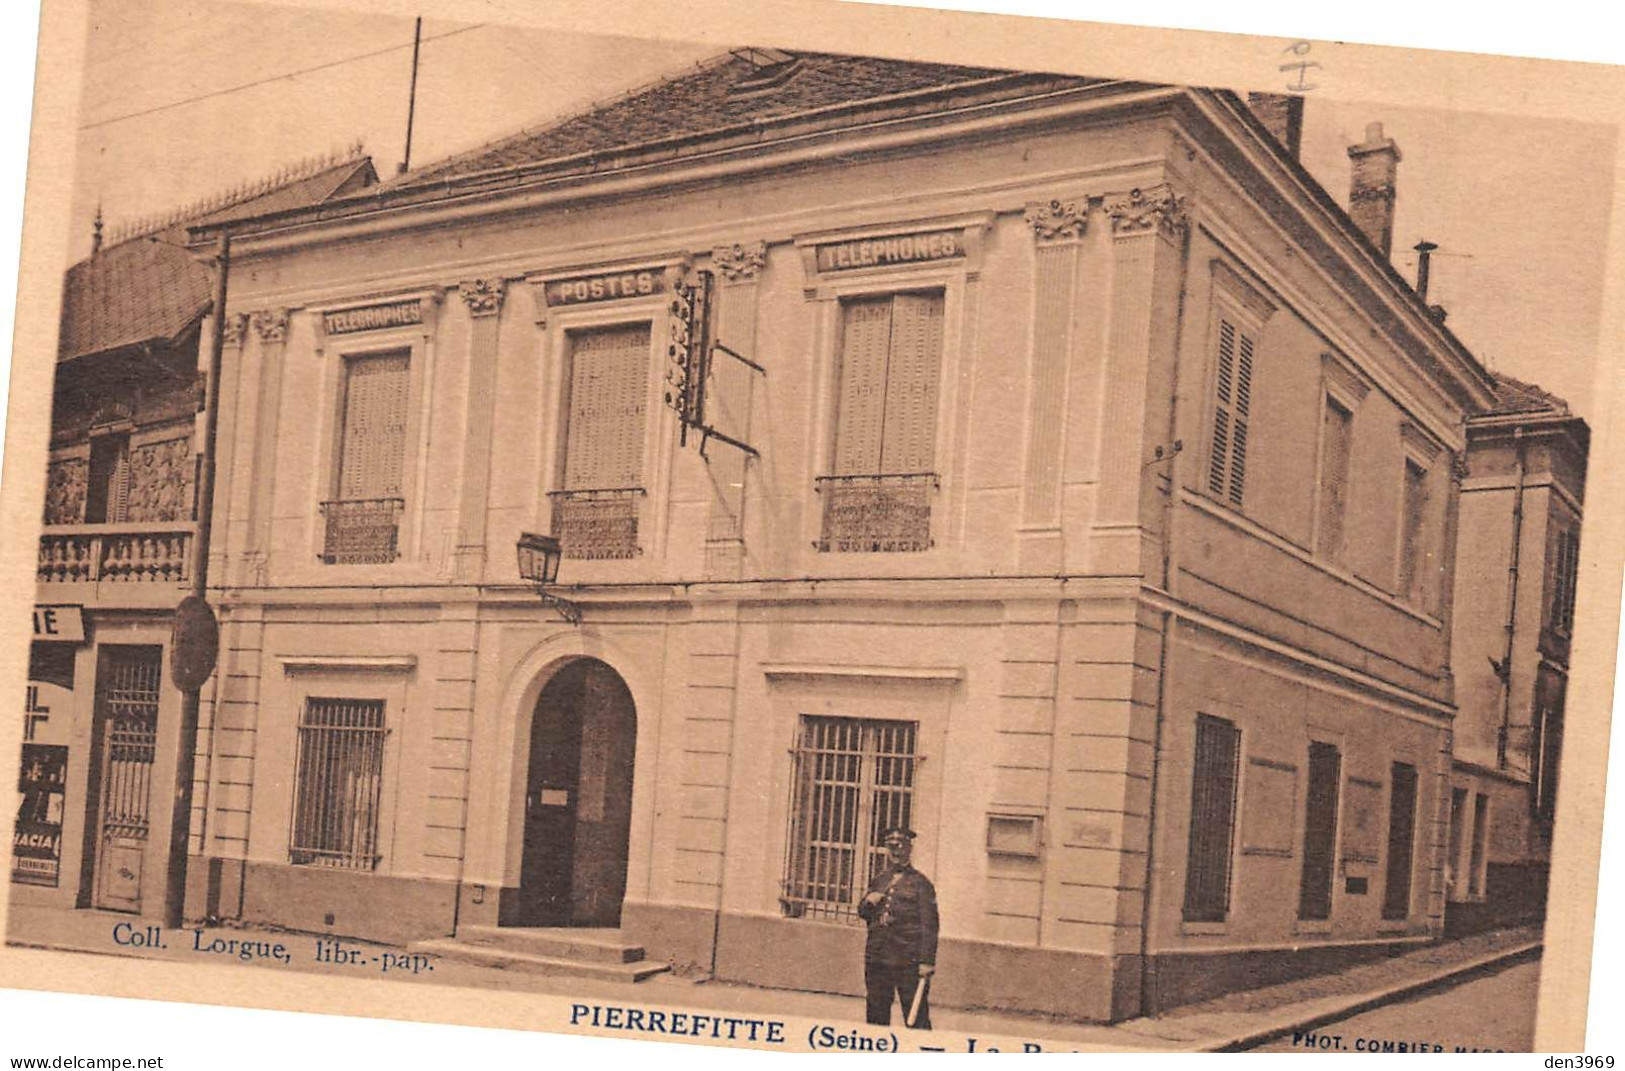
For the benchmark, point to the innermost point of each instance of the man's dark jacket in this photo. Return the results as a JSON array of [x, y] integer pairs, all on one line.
[[903, 926]]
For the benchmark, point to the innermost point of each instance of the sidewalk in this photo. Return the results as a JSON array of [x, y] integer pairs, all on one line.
[[1226, 1022]]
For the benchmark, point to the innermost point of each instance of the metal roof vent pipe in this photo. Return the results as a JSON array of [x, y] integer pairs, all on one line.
[[1373, 166]]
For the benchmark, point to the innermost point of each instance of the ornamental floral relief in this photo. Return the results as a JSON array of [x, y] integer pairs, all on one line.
[[740, 260], [161, 481], [271, 324], [1154, 210], [483, 296], [66, 482], [236, 329], [1058, 220]]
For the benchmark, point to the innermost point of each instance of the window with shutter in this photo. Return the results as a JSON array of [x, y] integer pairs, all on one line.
[[878, 496], [1396, 895], [1232, 411], [595, 512], [1564, 581], [363, 519], [1335, 450], [1414, 548], [1213, 814], [108, 491]]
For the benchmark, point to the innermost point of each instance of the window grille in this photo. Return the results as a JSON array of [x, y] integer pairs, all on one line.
[[1336, 447], [853, 780], [338, 783], [1320, 832], [363, 520], [595, 514], [1213, 819], [1396, 896], [1232, 408], [878, 497]]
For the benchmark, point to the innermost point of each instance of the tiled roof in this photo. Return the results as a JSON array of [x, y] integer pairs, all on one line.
[[726, 93], [146, 289], [1516, 396]]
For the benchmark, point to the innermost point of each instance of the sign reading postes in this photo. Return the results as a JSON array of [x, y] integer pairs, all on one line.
[[891, 249], [194, 644], [611, 287], [373, 317], [65, 624]]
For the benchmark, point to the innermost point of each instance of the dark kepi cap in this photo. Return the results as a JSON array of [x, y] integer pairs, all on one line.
[[897, 831]]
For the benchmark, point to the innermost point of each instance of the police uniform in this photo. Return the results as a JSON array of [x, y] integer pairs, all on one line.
[[902, 938]]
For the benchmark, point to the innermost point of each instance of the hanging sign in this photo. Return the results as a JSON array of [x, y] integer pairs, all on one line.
[[62, 623], [194, 644]]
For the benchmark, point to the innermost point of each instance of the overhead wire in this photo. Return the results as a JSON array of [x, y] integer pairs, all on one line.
[[272, 78]]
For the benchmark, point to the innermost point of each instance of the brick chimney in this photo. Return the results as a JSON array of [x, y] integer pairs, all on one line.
[[1372, 165], [1282, 115]]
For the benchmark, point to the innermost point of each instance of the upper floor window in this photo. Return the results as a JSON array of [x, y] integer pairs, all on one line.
[[595, 511], [1565, 580], [363, 516], [1336, 449], [107, 494], [1414, 547], [878, 494], [1232, 410]]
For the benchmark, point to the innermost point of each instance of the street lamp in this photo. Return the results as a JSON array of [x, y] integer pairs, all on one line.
[[539, 557]]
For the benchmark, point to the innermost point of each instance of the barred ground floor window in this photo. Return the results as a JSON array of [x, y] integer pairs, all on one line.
[[338, 783], [853, 780]]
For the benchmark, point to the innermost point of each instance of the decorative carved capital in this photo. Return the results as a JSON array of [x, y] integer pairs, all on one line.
[[1157, 210], [235, 330], [1058, 220], [740, 261], [1458, 468], [271, 324], [483, 296]]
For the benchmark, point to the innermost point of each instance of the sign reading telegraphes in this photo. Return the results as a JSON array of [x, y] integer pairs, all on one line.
[[891, 249], [373, 317]]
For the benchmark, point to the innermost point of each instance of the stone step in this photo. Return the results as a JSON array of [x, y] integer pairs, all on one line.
[[504, 957], [588, 946]]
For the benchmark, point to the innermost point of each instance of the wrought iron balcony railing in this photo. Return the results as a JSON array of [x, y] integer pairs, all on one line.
[[597, 523], [362, 531], [138, 553], [886, 513]]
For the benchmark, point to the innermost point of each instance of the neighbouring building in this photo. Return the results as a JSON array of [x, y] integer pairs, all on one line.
[[1097, 521], [100, 721], [1517, 569]]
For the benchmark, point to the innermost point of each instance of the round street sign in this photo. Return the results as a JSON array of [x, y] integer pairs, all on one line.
[[194, 644]]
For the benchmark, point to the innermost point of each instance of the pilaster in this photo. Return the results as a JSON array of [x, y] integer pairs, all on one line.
[[271, 326], [484, 300], [728, 405]]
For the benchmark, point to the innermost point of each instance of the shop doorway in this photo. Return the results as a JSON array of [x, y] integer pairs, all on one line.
[[578, 800]]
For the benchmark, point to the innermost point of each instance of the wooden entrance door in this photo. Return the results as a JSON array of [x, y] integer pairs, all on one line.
[[578, 800]]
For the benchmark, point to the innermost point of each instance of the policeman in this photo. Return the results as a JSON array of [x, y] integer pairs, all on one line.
[[901, 953]]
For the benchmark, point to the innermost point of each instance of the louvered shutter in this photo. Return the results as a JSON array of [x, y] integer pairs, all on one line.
[[118, 506], [1232, 406], [1334, 477], [1240, 417], [1213, 813], [909, 431], [373, 455], [609, 371], [1224, 400], [860, 418]]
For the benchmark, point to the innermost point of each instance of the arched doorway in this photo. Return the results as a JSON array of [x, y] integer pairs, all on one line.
[[578, 799]]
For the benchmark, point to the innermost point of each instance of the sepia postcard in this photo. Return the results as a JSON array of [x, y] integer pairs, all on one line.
[[812, 528]]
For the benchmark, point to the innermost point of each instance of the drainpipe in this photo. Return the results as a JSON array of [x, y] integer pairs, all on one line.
[[1169, 575], [1504, 670]]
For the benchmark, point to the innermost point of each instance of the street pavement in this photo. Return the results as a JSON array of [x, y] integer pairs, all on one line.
[[1231, 1022], [1488, 1013]]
